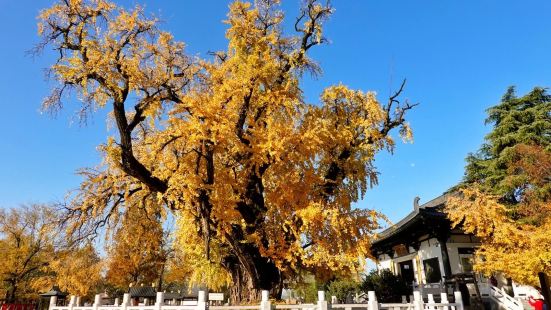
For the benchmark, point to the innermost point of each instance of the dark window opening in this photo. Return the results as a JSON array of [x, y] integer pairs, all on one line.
[[432, 270], [465, 250], [406, 272]]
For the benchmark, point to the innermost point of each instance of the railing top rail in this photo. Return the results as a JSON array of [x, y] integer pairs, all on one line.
[[395, 305], [503, 295], [363, 305], [297, 306]]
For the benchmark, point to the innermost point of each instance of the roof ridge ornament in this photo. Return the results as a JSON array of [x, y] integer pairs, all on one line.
[[416, 203]]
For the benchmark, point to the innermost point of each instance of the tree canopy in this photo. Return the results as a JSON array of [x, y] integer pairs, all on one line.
[[264, 179], [36, 255], [138, 252], [505, 197], [27, 237]]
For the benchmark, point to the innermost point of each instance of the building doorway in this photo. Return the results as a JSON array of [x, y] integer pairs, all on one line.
[[406, 272]]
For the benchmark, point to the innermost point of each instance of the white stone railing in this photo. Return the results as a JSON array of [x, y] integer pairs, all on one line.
[[265, 304], [499, 295]]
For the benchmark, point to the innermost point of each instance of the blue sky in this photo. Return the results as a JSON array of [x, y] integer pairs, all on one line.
[[458, 57]]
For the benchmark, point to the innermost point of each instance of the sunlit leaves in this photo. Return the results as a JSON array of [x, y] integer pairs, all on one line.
[[138, 251], [505, 198], [518, 250], [229, 143], [36, 255]]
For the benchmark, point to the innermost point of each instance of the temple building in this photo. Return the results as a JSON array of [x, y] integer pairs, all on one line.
[[429, 255]]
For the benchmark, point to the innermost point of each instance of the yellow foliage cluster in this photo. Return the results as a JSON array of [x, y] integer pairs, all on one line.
[[138, 251], [35, 255], [189, 258], [519, 250], [227, 143], [77, 271], [27, 245]]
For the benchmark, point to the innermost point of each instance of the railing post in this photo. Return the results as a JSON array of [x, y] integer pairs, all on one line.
[[444, 300], [97, 302], [201, 301], [160, 300], [322, 303], [431, 301], [116, 302], [404, 299], [458, 300], [265, 303], [417, 301], [125, 301], [334, 300], [372, 303], [72, 301], [53, 302]]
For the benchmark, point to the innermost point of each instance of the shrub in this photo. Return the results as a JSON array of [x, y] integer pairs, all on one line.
[[387, 286], [343, 289]]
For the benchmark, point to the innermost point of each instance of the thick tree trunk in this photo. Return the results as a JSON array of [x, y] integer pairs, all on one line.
[[10, 293], [251, 273]]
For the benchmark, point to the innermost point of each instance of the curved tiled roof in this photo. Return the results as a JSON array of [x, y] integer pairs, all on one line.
[[432, 209], [142, 291]]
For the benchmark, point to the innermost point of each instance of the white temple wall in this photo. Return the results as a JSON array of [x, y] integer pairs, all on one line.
[[453, 253], [430, 249], [384, 262], [427, 249]]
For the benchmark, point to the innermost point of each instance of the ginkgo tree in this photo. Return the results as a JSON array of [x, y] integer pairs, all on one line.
[[27, 239], [139, 251], [36, 255], [264, 179], [76, 270]]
